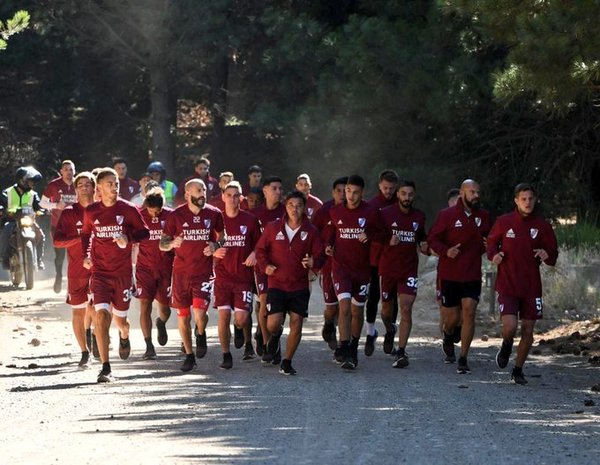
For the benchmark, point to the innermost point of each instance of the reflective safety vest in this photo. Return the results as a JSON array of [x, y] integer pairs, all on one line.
[[169, 188], [16, 201]]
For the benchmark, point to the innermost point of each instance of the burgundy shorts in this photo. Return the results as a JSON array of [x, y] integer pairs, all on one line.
[[78, 292], [326, 281], [233, 296], [391, 286], [261, 282], [185, 288], [115, 290], [153, 284], [348, 286], [530, 308]]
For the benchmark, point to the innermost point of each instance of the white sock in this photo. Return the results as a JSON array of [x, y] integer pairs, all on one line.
[[370, 329]]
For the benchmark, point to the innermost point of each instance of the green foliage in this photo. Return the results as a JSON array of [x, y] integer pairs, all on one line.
[[14, 25], [578, 236]]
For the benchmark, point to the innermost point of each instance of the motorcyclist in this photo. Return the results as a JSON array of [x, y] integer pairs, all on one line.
[[21, 195], [158, 172]]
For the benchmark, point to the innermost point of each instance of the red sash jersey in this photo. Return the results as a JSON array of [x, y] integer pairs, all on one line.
[[57, 190], [100, 225], [344, 227], [274, 248], [150, 256], [402, 260], [379, 202], [68, 235], [454, 226], [197, 230], [518, 236], [241, 235], [128, 188]]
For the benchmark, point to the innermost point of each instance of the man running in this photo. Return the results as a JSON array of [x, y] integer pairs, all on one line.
[[194, 230], [153, 271], [234, 267], [68, 235], [313, 204], [399, 264], [114, 225], [518, 244], [59, 194], [458, 238], [353, 225], [128, 187], [286, 251]]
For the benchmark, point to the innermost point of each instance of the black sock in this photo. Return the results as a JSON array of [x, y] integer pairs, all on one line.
[[518, 370], [400, 351], [148, 341], [106, 367], [354, 341]]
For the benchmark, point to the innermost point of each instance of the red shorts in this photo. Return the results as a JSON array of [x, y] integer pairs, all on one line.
[[115, 290], [185, 288], [261, 282], [530, 308], [326, 281], [233, 296], [78, 292], [348, 286], [391, 286], [153, 284]]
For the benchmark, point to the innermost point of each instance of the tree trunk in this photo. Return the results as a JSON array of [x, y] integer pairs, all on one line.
[[160, 118], [219, 106]]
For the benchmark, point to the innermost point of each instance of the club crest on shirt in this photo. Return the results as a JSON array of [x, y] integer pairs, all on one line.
[[162, 224], [533, 232], [384, 295], [510, 234], [337, 286], [303, 235], [458, 224], [478, 221], [243, 229], [207, 223], [131, 189], [415, 225], [310, 211], [362, 222], [119, 219]]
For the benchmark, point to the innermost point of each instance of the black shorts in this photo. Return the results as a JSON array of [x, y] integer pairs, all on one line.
[[452, 292], [279, 301]]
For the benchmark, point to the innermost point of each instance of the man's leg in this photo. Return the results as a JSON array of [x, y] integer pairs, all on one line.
[[146, 326], [510, 324], [224, 329], [262, 323], [406, 304], [59, 258], [275, 328], [201, 319], [373, 302], [122, 323], [525, 343], [164, 313], [184, 319], [469, 307], [103, 320], [450, 318]]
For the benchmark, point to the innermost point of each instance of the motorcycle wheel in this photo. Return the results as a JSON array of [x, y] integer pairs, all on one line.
[[28, 265], [16, 272]]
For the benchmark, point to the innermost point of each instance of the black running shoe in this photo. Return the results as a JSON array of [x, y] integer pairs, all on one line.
[[201, 345], [161, 328], [124, 348], [347, 360], [456, 335], [354, 353], [462, 368], [95, 350], [238, 337], [150, 353], [518, 377], [328, 334], [370, 344], [189, 363], [260, 344], [448, 348], [388, 340], [249, 353], [286, 368], [227, 362], [277, 357], [503, 355], [401, 360], [338, 356], [84, 362], [105, 376]]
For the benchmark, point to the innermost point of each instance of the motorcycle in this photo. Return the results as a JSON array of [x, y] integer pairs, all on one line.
[[22, 252]]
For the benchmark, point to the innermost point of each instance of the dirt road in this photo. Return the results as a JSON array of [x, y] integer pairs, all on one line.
[[153, 414]]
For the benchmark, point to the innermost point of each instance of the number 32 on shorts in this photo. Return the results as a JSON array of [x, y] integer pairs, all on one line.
[[412, 282]]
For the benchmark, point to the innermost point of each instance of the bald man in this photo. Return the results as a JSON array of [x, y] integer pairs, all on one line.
[[458, 237]]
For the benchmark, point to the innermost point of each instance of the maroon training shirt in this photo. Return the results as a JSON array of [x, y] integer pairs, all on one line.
[[150, 256], [379, 202], [313, 205], [128, 188], [68, 235], [266, 216], [517, 237], [56, 191]]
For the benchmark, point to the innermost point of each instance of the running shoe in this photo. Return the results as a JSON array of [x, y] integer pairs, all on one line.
[[277, 357], [95, 350], [338, 356], [370, 344], [238, 337], [456, 335], [227, 362], [448, 348], [249, 353], [260, 344], [347, 360], [286, 368], [124, 348], [462, 368], [201, 345], [105, 376], [84, 362], [401, 360], [328, 334], [161, 328], [189, 363], [518, 377], [150, 353], [503, 355], [388, 340]]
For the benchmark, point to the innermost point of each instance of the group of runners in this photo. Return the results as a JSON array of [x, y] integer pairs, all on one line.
[[226, 243]]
